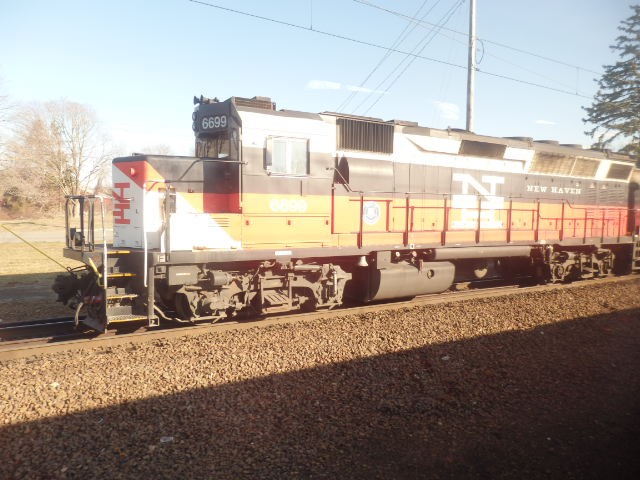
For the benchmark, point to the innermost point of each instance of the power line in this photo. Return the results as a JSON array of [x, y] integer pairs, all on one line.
[[489, 54], [375, 45], [321, 32], [443, 21], [403, 35], [440, 28], [509, 47]]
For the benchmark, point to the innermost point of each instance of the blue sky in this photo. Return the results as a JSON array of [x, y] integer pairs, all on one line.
[[138, 64]]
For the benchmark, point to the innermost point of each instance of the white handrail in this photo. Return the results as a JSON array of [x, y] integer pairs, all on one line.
[[105, 268], [144, 232]]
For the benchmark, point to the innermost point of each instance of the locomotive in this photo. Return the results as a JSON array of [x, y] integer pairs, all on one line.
[[283, 210]]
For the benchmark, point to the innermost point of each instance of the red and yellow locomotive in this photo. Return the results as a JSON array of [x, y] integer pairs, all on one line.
[[286, 210]]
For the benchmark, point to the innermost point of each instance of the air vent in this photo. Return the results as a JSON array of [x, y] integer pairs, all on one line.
[[364, 136], [482, 149], [255, 102], [619, 172], [551, 163], [222, 221], [585, 167]]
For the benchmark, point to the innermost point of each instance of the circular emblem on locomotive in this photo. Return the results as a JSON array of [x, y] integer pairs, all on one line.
[[370, 213]]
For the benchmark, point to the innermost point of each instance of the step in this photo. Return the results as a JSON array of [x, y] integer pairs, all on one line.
[[120, 296], [121, 275], [118, 252], [126, 318]]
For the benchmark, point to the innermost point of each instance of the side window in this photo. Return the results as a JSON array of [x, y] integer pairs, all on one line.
[[287, 156]]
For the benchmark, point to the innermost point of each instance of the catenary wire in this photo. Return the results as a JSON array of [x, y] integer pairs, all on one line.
[[401, 37], [509, 47], [481, 42], [445, 19], [415, 49], [375, 45]]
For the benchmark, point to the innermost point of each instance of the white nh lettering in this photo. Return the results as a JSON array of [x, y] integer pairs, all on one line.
[[468, 202], [554, 189]]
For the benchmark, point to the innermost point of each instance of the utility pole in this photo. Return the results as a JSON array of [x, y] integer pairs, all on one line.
[[471, 67]]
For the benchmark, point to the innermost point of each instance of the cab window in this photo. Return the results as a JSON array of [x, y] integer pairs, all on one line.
[[287, 156]]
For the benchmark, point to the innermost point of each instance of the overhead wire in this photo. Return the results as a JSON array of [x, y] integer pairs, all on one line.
[[485, 40], [375, 45], [408, 29], [409, 60], [481, 42]]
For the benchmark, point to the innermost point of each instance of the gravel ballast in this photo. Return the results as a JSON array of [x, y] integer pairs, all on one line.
[[525, 386]]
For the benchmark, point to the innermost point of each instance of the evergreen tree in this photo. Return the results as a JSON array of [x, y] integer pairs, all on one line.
[[615, 111]]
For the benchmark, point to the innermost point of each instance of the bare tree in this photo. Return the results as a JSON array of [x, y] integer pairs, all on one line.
[[5, 111], [60, 145]]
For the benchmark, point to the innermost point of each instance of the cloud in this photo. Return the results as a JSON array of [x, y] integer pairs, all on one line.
[[323, 85], [353, 88], [448, 111], [544, 122]]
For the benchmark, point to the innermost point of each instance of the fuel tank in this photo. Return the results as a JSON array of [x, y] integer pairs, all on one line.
[[401, 280]]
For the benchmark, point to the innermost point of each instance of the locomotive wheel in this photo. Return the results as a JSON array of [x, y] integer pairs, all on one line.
[[184, 308]]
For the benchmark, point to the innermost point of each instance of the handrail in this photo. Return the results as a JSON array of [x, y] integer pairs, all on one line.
[[105, 267], [144, 232], [204, 160], [602, 221]]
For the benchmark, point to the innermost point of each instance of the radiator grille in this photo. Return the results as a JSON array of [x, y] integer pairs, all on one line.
[[255, 102], [482, 149], [619, 172], [364, 136], [552, 163], [585, 167]]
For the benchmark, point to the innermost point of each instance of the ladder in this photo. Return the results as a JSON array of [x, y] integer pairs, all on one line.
[[120, 299], [116, 271]]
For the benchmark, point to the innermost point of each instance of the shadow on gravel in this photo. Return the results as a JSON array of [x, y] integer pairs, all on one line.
[[561, 401], [40, 283]]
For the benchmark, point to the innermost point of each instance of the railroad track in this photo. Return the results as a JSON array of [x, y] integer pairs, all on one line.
[[35, 337], [34, 328]]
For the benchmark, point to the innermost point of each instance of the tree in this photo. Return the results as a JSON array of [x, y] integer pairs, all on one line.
[[58, 148], [615, 111], [5, 111]]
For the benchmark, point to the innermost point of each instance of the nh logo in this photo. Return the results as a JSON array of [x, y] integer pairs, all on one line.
[[121, 204], [474, 195]]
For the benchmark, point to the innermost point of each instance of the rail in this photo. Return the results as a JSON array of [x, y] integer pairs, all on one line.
[[13, 349]]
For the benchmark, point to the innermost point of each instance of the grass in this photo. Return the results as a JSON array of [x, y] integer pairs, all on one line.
[[21, 264], [25, 225], [54, 222]]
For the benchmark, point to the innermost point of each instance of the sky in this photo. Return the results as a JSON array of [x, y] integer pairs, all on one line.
[[138, 64]]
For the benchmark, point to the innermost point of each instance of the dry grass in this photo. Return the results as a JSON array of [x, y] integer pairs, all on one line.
[[31, 224], [26, 274], [53, 222], [22, 264]]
